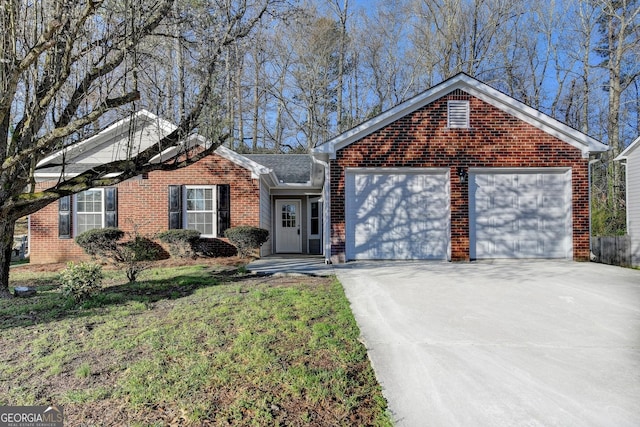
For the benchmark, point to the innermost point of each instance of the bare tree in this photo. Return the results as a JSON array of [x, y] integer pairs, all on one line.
[[619, 25], [314, 75], [462, 35], [341, 9], [389, 71], [69, 65]]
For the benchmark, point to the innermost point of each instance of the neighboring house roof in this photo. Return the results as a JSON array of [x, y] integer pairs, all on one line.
[[627, 151], [141, 130], [479, 90]]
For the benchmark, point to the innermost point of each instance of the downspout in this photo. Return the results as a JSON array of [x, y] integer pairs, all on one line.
[[591, 255], [326, 211]]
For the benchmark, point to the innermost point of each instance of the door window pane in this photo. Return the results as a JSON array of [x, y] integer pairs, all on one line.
[[288, 216]]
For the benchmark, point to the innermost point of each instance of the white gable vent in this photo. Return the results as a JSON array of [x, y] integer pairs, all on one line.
[[458, 114]]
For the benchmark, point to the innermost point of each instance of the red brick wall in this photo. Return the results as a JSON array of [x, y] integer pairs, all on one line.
[[144, 203], [494, 139]]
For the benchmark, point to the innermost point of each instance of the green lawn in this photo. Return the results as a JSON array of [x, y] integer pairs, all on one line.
[[192, 345]]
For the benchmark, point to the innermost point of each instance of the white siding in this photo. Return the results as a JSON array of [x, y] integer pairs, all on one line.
[[122, 147], [633, 204], [265, 217]]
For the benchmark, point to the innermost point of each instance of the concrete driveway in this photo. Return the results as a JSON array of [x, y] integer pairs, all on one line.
[[523, 343]]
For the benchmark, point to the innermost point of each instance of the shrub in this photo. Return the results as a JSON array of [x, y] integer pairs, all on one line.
[[182, 243], [81, 281], [247, 238], [134, 254], [101, 242]]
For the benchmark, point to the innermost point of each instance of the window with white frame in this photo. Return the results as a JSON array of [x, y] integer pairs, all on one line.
[[89, 210], [201, 209], [205, 208], [93, 208]]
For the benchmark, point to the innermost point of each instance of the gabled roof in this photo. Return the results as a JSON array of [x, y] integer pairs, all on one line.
[[114, 141], [479, 90], [143, 129], [627, 151]]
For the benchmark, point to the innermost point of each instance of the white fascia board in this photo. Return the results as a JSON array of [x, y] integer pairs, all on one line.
[[256, 169], [380, 121], [44, 177], [625, 153], [480, 90], [532, 116]]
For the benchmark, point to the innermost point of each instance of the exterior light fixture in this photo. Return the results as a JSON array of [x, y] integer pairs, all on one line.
[[462, 174]]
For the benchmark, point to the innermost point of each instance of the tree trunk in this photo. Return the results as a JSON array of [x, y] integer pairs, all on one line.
[[6, 246]]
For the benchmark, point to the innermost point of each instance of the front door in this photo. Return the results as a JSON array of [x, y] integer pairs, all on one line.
[[288, 221]]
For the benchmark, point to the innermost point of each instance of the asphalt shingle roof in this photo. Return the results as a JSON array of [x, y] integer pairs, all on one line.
[[289, 168]]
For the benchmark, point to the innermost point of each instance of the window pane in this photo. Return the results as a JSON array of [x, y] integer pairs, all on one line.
[[208, 199], [203, 222], [89, 210], [88, 222], [200, 199]]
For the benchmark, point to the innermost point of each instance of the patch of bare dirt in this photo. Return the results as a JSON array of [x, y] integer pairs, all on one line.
[[234, 261]]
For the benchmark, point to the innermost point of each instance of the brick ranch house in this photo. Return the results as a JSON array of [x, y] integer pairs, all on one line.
[[460, 172], [220, 191]]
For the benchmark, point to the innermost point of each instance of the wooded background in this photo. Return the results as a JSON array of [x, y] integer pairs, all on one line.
[[286, 75], [313, 69]]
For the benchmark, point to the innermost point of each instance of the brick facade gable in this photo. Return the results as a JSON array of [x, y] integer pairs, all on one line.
[[494, 139]]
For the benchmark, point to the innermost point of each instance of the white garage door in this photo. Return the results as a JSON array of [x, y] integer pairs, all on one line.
[[520, 214], [401, 214]]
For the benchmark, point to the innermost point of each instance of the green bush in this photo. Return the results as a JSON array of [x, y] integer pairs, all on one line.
[[247, 238], [134, 255], [81, 281], [101, 242], [182, 243]]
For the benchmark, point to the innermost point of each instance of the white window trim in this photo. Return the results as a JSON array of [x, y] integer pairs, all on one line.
[[458, 112], [75, 210], [214, 207], [315, 200], [318, 236]]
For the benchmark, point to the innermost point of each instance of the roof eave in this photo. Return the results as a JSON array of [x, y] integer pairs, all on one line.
[[625, 153]]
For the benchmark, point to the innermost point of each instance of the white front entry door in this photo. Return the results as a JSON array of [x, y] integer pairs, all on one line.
[[288, 221]]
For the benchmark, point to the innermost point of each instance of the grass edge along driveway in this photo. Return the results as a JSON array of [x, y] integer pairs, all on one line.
[[191, 345]]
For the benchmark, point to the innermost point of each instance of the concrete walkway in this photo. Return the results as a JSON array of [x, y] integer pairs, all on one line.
[[294, 264], [501, 344]]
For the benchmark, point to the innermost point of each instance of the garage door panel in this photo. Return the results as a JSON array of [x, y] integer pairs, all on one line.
[[520, 214], [553, 202], [397, 215]]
